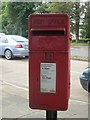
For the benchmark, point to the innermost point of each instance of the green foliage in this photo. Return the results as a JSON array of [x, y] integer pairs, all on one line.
[[3, 15], [85, 28], [60, 7], [15, 17], [85, 39], [42, 8]]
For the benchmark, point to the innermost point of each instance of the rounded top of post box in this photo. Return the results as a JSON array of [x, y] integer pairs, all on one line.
[[50, 14], [48, 20]]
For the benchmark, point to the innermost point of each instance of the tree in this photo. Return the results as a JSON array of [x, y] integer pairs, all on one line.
[[3, 16], [85, 27], [41, 8], [17, 21], [77, 19]]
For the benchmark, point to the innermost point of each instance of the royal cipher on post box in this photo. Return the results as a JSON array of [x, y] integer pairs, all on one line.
[[49, 63]]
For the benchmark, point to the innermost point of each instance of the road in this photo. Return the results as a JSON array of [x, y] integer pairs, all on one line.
[[82, 51], [14, 80]]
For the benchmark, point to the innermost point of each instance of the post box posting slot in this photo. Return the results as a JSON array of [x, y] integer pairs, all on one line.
[[47, 32]]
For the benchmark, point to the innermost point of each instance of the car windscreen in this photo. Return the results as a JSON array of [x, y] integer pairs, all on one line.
[[19, 39], [87, 72], [10, 40]]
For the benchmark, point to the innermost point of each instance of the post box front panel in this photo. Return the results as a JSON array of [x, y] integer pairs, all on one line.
[[47, 92], [49, 43]]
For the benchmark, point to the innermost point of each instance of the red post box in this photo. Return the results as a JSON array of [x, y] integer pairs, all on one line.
[[49, 63]]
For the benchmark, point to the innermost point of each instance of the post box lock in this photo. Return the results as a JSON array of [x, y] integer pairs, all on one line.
[[49, 55]]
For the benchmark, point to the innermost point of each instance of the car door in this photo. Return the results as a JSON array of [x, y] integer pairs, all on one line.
[[3, 43], [0, 45]]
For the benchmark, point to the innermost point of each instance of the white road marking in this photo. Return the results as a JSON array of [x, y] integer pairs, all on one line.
[[26, 89], [75, 72], [84, 102]]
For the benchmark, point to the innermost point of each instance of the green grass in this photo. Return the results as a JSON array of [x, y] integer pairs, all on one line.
[[85, 39], [79, 44], [80, 58]]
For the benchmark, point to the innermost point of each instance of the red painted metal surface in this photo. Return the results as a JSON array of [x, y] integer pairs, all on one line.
[[49, 46]]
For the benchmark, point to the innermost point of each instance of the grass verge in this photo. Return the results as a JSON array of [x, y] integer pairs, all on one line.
[[80, 58], [79, 44]]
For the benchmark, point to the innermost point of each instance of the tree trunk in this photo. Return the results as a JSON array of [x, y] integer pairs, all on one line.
[[77, 30], [77, 20], [88, 20], [21, 29]]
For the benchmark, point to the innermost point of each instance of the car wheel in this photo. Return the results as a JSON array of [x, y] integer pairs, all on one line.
[[89, 87], [8, 54], [26, 56]]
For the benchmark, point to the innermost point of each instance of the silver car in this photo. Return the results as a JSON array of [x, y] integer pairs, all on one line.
[[12, 46]]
